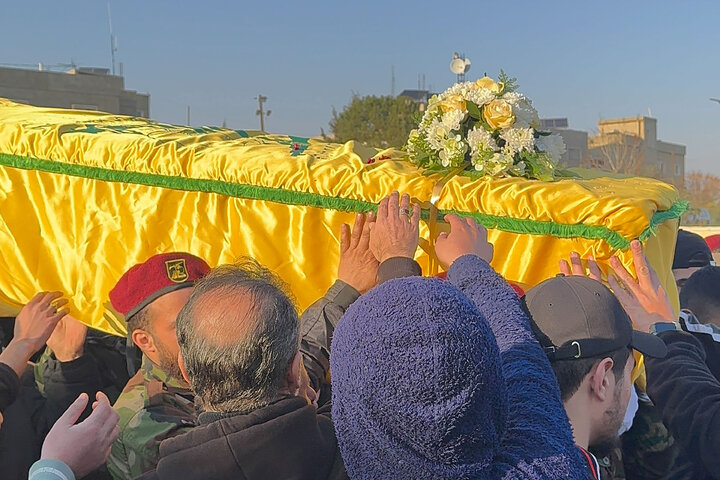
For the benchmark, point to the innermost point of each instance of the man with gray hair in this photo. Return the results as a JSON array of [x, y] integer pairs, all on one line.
[[239, 337]]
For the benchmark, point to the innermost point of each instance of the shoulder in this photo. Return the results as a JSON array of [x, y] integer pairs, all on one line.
[[131, 402]]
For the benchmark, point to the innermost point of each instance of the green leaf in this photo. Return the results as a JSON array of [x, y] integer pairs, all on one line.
[[510, 82], [473, 110]]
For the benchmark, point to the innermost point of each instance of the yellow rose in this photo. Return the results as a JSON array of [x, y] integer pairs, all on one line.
[[453, 102], [490, 84], [498, 114]]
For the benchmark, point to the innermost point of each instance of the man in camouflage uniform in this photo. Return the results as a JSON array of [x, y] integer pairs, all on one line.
[[156, 403]]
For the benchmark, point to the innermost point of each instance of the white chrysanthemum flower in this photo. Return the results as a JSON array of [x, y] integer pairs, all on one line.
[[499, 164], [452, 119], [437, 133], [457, 89], [553, 145], [518, 139], [525, 114], [480, 96], [480, 139], [453, 152]]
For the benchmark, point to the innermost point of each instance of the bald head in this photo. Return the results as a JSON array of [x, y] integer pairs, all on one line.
[[238, 334], [226, 317]]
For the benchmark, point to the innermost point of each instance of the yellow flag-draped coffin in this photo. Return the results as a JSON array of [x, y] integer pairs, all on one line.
[[86, 195]]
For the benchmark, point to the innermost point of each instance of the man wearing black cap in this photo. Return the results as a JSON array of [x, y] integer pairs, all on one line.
[[691, 254], [589, 340]]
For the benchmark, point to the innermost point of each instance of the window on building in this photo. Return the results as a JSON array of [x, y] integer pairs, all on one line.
[[677, 170]]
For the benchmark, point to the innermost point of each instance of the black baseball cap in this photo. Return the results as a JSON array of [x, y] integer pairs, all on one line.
[[691, 250], [578, 317]]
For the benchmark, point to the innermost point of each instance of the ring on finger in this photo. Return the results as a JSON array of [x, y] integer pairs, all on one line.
[[405, 211]]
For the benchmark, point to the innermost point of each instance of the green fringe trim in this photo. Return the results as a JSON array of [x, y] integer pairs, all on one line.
[[277, 195]]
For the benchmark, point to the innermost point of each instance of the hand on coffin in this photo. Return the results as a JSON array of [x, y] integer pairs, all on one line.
[[644, 299], [37, 320], [358, 266], [466, 237], [395, 231]]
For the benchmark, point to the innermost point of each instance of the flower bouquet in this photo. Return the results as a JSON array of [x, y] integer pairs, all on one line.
[[485, 128]]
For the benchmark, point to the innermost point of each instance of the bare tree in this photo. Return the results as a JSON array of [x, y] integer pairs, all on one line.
[[618, 152], [701, 189]]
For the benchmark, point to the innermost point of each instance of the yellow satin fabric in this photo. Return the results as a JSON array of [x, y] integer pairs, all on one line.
[[78, 235]]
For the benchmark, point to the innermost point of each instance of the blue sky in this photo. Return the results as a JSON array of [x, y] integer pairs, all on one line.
[[580, 60]]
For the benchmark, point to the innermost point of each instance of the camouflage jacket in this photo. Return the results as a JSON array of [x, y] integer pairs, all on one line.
[[152, 407]]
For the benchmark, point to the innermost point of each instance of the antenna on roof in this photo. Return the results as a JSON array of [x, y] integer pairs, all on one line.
[[460, 66], [113, 41]]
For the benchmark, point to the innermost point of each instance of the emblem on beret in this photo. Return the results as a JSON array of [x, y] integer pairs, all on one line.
[[176, 270]]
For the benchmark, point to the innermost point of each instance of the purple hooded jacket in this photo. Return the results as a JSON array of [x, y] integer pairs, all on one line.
[[444, 380]]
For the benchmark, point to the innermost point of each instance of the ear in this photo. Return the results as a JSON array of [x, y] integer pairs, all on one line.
[[602, 379], [144, 341], [183, 370], [292, 376]]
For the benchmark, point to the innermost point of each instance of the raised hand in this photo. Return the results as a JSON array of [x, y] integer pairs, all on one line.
[[85, 446], [575, 267], [644, 299], [466, 237], [68, 339], [37, 320], [395, 232], [33, 326], [358, 266]]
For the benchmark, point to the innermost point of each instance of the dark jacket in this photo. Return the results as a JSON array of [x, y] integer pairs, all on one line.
[[29, 415], [317, 325], [288, 439], [688, 395]]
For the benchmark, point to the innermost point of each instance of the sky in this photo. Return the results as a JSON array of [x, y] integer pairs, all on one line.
[[581, 60]]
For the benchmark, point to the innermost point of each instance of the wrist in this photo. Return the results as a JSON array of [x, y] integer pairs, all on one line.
[[659, 327], [16, 356], [22, 348], [389, 255], [64, 357]]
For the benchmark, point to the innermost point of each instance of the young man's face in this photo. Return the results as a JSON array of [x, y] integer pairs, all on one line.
[[616, 406]]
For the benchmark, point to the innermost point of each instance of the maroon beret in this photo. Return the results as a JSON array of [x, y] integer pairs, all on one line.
[[156, 276]]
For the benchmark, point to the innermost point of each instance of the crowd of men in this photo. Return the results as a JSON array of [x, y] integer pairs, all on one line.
[[389, 375]]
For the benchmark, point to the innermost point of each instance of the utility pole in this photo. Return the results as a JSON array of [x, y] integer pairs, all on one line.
[[188, 115], [113, 40], [392, 89], [260, 112]]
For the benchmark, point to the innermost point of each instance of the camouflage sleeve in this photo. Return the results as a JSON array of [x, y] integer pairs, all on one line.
[[137, 448], [649, 451], [317, 326]]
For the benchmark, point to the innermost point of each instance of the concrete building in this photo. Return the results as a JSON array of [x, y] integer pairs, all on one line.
[[576, 141], [630, 145], [420, 97], [80, 88]]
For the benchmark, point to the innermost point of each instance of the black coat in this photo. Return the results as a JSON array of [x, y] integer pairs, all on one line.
[[288, 439], [687, 393]]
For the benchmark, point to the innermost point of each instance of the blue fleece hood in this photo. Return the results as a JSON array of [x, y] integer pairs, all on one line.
[[418, 389]]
